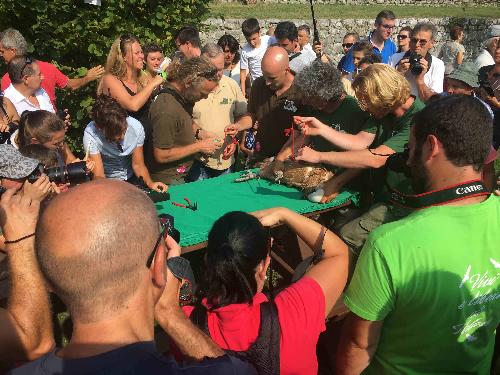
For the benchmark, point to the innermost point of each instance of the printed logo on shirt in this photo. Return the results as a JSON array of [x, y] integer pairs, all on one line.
[[290, 106], [481, 289], [226, 101]]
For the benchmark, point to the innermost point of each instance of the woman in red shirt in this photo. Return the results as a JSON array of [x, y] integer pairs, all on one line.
[[237, 259]]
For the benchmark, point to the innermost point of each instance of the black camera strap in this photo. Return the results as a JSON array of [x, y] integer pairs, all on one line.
[[448, 194]]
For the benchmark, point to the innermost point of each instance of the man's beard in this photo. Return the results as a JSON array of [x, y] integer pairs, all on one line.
[[419, 175]]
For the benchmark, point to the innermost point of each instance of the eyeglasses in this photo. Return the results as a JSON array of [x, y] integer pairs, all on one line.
[[388, 27], [165, 226], [421, 42], [402, 37], [347, 45], [27, 61]]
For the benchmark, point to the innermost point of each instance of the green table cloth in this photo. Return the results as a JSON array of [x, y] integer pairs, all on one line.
[[217, 196]]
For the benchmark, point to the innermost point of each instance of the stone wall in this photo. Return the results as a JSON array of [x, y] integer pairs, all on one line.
[[331, 31], [492, 3]]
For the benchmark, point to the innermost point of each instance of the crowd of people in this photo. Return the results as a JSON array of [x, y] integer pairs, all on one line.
[[414, 133]]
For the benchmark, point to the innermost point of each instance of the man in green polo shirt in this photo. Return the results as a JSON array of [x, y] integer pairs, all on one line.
[[385, 94], [425, 295], [321, 90]]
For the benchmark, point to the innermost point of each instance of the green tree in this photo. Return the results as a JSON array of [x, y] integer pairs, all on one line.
[[76, 36]]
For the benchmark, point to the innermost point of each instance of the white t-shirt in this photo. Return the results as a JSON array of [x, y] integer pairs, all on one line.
[[251, 57], [117, 163], [23, 104], [305, 58], [234, 74], [484, 59], [433, 78]]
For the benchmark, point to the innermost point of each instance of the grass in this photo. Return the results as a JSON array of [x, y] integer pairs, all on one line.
[[302, 11]]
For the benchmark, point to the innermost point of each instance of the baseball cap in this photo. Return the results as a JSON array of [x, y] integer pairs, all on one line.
[[494, 31], [14, 165], [466, 72]]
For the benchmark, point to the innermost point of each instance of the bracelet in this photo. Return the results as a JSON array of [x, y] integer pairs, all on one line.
[[19, 239]]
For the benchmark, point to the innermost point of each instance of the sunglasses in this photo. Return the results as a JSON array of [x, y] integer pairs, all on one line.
[[165, 228], [421, 42], [27, 61], [347, 45], [402, 37]]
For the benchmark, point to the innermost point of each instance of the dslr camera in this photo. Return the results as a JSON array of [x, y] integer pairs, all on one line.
[[415, 66], [73, 173]]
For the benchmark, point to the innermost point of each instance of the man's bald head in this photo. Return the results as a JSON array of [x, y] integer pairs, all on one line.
[[275, 68], [275, 59], [92, 246]]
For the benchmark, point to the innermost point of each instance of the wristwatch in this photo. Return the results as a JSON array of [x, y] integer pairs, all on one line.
[[197, 134]]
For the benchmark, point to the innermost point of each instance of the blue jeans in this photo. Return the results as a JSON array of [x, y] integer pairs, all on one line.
[[200, 171]]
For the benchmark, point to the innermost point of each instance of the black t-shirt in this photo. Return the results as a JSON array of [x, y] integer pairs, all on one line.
[[137, 358]]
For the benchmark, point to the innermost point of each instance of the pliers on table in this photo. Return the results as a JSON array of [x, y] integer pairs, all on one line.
[[189, 205]]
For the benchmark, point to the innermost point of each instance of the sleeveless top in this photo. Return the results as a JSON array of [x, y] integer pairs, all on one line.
[[141, 111]]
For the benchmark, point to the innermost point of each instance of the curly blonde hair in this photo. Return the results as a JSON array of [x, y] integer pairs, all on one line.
[[380, 86], [115, 62]]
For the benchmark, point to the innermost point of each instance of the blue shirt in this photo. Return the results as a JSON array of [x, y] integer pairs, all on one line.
[[116, 156], [388, 50], [138, 358]]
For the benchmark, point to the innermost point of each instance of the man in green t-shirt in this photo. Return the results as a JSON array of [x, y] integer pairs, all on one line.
[[385, 95], [425, 296], [321, 90]]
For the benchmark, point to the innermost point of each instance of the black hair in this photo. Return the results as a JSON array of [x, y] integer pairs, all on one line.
[[188, 34], [462, 124], [46, 156], [370, 58], [385, 14], [237, 243], [150, 48], [286, 30], [230, 42], [249, 27]]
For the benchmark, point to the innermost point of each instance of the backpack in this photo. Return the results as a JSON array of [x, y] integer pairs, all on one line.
[[264, 353]]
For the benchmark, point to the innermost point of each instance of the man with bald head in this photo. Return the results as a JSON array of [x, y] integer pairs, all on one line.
[[272, 103], [101, 250]]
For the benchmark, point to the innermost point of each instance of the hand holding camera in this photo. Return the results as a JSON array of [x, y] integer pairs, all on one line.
[[18, 216]]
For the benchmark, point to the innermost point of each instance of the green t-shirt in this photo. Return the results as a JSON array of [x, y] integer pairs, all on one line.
[[434, 279], [393, 132], [347, 118]]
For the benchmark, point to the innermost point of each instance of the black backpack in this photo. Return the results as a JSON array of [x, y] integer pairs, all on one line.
[[264, 353]]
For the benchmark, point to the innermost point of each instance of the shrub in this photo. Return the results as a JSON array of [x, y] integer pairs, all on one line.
[[76, 36]]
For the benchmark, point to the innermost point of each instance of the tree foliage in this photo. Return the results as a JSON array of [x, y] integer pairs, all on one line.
[[76, 36]]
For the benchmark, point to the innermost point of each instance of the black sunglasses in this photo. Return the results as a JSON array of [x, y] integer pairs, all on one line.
[[27, 61], [402, 37], [347, 45], [165, 229], [422, 42]]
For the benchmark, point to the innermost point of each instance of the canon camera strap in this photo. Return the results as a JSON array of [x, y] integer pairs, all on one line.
[[449, 194]]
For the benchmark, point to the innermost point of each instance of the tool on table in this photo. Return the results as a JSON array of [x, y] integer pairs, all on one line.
[[189, 205], [246, 175]]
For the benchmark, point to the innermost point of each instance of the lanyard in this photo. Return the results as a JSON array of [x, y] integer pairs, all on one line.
[[448, 194]]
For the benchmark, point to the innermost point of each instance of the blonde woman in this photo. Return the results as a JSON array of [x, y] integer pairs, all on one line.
[[124, 79]]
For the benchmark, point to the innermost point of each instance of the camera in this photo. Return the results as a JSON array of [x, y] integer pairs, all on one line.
[[415, 66], [168, 221], [397, 162], [484, 82], [73, 173], [5, 136]]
